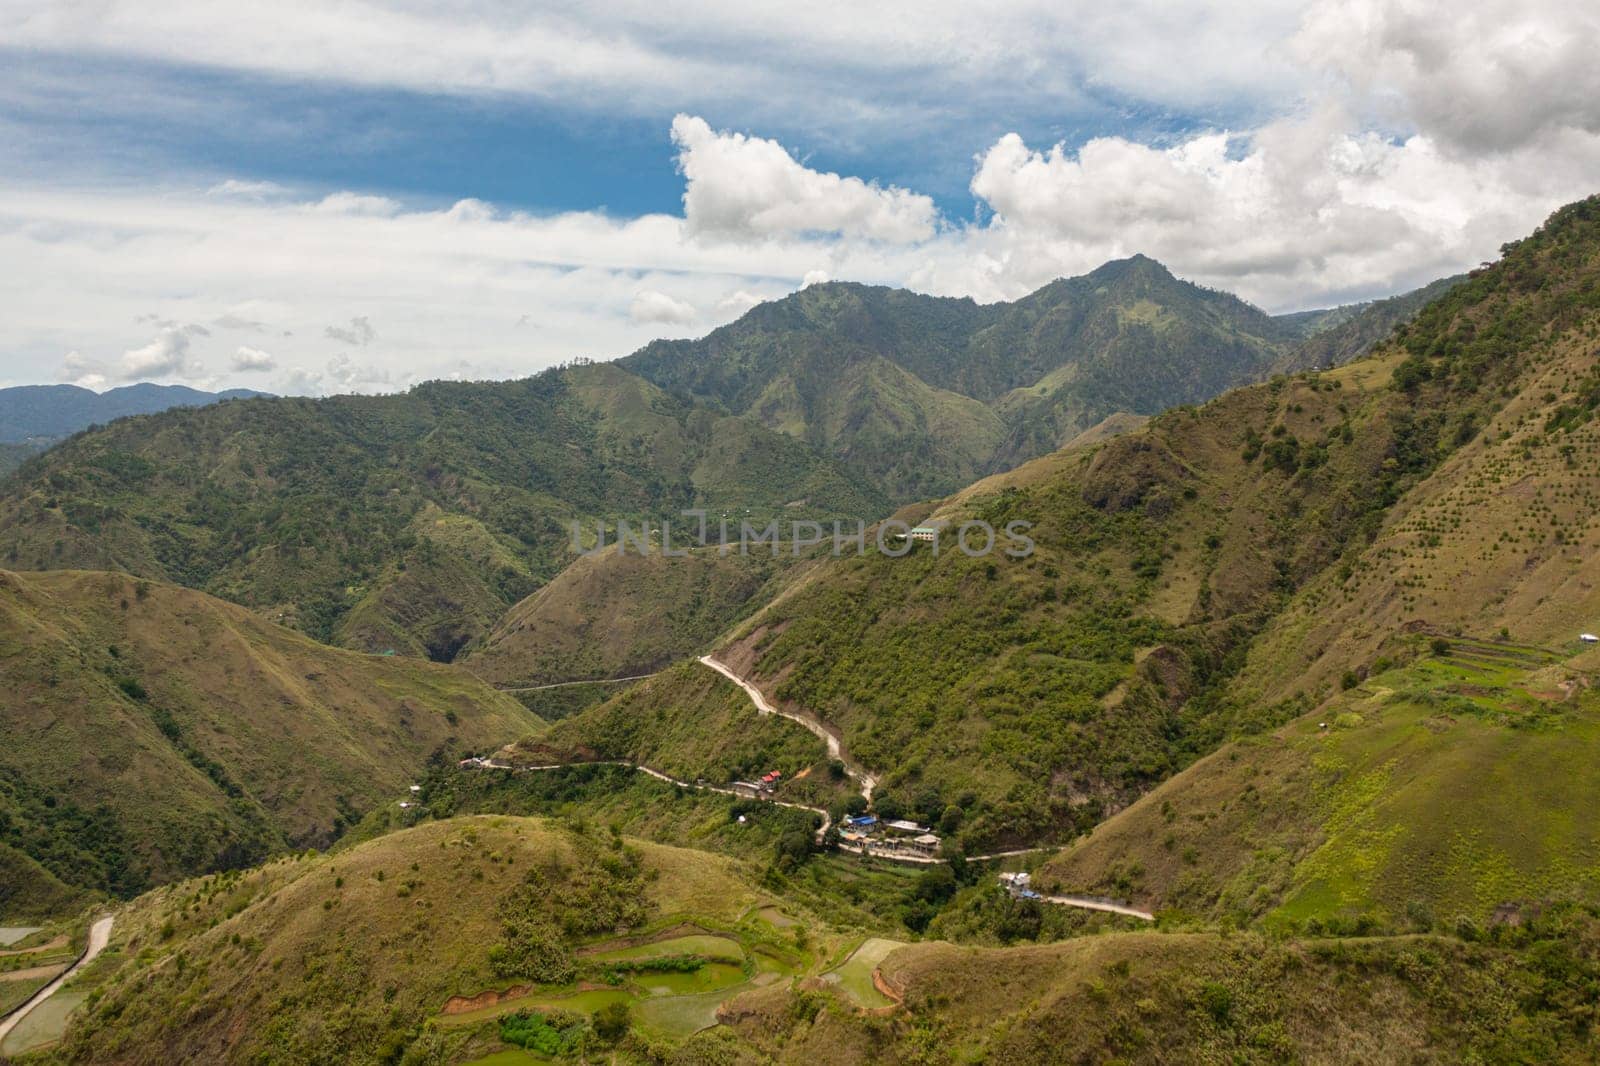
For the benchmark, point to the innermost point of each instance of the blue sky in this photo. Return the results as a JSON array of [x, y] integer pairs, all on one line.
[[215, 192]]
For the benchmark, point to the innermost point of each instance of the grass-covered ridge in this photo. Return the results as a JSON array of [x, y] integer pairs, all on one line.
[[154, 732], [420, 943]]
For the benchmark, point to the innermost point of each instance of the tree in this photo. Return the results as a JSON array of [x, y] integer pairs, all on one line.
[[612, 1021]]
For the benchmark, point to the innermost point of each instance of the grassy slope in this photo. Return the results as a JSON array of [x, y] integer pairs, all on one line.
[[407, 522], [343, 957], [692, 723], [1454, 786], [154, 732], [1447, 791], [617, 615], [1161, 998]]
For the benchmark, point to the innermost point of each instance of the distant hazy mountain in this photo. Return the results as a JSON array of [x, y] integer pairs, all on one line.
[[1339, 334], [56, 411]]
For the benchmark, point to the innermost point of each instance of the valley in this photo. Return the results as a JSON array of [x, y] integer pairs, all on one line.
[[326, 744]]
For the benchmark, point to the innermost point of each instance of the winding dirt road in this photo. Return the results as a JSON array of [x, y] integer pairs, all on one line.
[[99, 937], [860, 774]]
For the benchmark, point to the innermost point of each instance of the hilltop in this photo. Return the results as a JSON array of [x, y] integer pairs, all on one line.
[[417, 943], [153, 732], [924, 394]]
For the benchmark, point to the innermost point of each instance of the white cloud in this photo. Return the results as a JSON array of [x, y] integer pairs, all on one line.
[[166, 356], [253, 360], [652, 306], [1490, 76], [741, 187], [827, 64], [813, 277], [738, 302], [359, 333], [351, 376], [350, 203], [84, 373], [249, 190]]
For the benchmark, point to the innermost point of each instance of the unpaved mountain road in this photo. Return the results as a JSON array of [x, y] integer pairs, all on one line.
[[862, 776], [99, 937]]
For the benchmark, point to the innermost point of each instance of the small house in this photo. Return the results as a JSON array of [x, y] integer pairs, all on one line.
[[905, 828], [1589, 638]]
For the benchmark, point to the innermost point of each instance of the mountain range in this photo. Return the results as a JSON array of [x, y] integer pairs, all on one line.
[[1287, 714]]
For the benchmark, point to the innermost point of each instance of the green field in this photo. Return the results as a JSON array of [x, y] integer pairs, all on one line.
[[43, 1025], [855, 976], [703, 944], [15, 934]]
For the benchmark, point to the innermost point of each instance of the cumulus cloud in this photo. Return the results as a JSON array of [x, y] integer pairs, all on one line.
[[253, 360], [741, 187], [167, 355], [738, 302], [82, 372], [1305, 205], [1490, 76], [651, 306], [359, 332]]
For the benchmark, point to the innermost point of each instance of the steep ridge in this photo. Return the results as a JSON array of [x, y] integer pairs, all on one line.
[[619, 614], [922, 394], [1442, 771], [154, 732]]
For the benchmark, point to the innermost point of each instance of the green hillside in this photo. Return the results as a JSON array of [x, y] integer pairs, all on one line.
[[922, 394], [153, 732], [1458, 788], [419, 944], [1211, 572], [1163, 998], [613, 615], [408, 522]]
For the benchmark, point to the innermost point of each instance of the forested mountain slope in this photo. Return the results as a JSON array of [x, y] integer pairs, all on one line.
[[407, 522], [923, 394]]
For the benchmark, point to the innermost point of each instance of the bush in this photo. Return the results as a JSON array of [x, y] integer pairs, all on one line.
[[612, 1021]]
